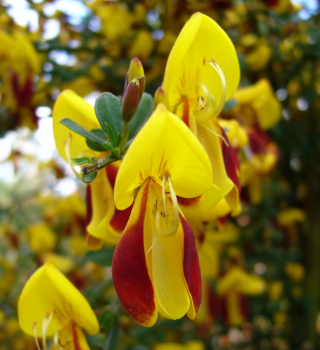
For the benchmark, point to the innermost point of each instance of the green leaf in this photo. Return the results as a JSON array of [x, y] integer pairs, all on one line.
[[100, 133], [111, 135], [108, 111], [101, 257], [94, 146], [118, 139], [107, 146], [70, 124], [142, 114], [81, 160], [113, 337], [87, 178]]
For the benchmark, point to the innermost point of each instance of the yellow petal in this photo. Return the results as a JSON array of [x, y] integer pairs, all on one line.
[[238, 280], [202, 211], [235, 314], [70, 105], [71, 337], [212, 144], [164, 145], [167, 274], [186, 64], [262, 99], [167, 270], [101, 196], [47, 291]]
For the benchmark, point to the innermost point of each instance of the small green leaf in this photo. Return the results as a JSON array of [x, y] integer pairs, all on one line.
[[107, 146], [101, 257], [87, 178], [94, 146], [143, 113], [108, 111], [81, 160], [100, 133], [111, 135], [70, 124]]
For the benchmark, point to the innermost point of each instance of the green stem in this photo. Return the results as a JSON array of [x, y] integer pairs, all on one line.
[[97, 164], [123, 137]]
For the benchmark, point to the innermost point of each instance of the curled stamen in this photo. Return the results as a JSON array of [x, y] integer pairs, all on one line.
[[161, 212], [208, 108]]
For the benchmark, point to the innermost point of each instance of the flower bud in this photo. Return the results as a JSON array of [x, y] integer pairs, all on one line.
[[135, 69], [142, 84], [131, 100], [160, 97]]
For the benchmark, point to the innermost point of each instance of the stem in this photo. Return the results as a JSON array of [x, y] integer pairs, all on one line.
[[97, 164], [123, 137]]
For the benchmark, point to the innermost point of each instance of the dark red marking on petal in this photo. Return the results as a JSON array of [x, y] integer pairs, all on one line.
[[89, 205], [112, 171], [188, 202], [130, 272], [191, 265], [75, 338], [215, 303], [243, 305], [258, 140], [120, 219], [223, 219], [231, 161], [185, 113]]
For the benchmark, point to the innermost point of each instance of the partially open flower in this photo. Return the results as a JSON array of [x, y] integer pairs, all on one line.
[[50, 306]]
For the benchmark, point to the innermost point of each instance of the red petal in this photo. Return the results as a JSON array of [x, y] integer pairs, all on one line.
[[120, 219], [129, 267], [191, 265], [112, 171], [89, 205], [231, 160]]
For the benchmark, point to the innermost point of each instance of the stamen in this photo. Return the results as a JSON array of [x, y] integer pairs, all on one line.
[[216, 134], [56, 341], [67, 145], [162, 212], [208, 109], [34, 327], [45, 325]]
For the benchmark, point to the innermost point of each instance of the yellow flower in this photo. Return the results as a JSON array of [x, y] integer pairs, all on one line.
[[51, 306], [102, 217], [200, 75], [258, 104], [41, 238], [155, 264]]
